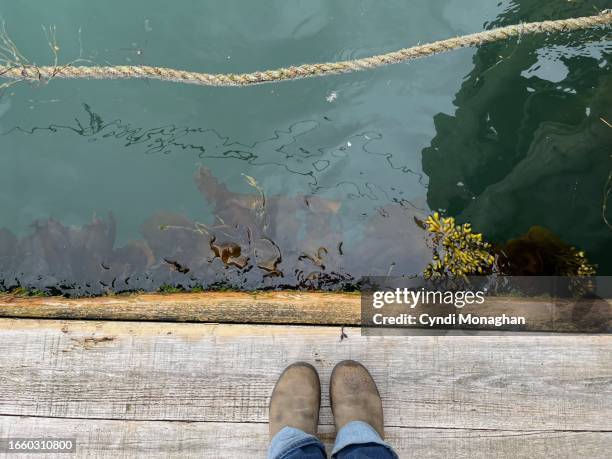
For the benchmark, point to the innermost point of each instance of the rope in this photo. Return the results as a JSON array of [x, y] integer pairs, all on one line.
[[28, 72]]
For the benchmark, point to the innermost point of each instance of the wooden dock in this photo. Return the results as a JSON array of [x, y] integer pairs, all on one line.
[[164, 380]]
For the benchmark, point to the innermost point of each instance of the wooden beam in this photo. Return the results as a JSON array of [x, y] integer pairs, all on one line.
[[218, 307], [158, 371], [288, 307], [122, 439]]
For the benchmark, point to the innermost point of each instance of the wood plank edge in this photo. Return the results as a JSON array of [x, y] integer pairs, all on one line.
[[278, 308]]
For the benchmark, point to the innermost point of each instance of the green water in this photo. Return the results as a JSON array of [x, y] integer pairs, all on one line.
[[123, 184]]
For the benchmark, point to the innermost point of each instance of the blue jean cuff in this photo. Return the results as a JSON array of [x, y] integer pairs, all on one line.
[[358, 433], [289, 439]]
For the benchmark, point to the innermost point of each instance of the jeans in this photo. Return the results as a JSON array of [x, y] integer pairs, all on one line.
[[356, 440]]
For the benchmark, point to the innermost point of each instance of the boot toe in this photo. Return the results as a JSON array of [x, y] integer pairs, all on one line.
[[296, 399], [354, 396]]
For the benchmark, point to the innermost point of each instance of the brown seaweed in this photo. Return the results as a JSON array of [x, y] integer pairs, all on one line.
[[254, 241]]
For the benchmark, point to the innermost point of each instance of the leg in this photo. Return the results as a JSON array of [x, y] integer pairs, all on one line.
[[294, 414], [358, 440], [358, 414], [366, 451]]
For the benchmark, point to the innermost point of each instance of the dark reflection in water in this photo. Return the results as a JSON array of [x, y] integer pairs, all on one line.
[[530, 142]]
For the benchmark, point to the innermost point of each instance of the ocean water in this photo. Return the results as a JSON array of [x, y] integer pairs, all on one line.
[[132, 185]]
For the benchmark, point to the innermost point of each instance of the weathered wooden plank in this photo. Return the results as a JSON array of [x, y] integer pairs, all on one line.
[[225, 373], [305, 308], [126, 439], [222, 307]]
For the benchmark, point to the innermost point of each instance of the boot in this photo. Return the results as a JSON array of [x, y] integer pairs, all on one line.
[[296, 399], [354, 396]]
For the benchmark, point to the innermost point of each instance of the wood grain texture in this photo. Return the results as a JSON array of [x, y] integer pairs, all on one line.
[[225, 373], [304, 308], [222, 307], [212, 440]]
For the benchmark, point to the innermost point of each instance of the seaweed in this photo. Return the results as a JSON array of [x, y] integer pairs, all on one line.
[[459, 252]]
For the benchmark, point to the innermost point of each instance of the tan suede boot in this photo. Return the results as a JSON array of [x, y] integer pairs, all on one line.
[[354, 396], [296, 399]]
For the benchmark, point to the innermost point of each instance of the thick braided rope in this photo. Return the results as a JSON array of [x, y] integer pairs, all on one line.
[[35, 73]]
